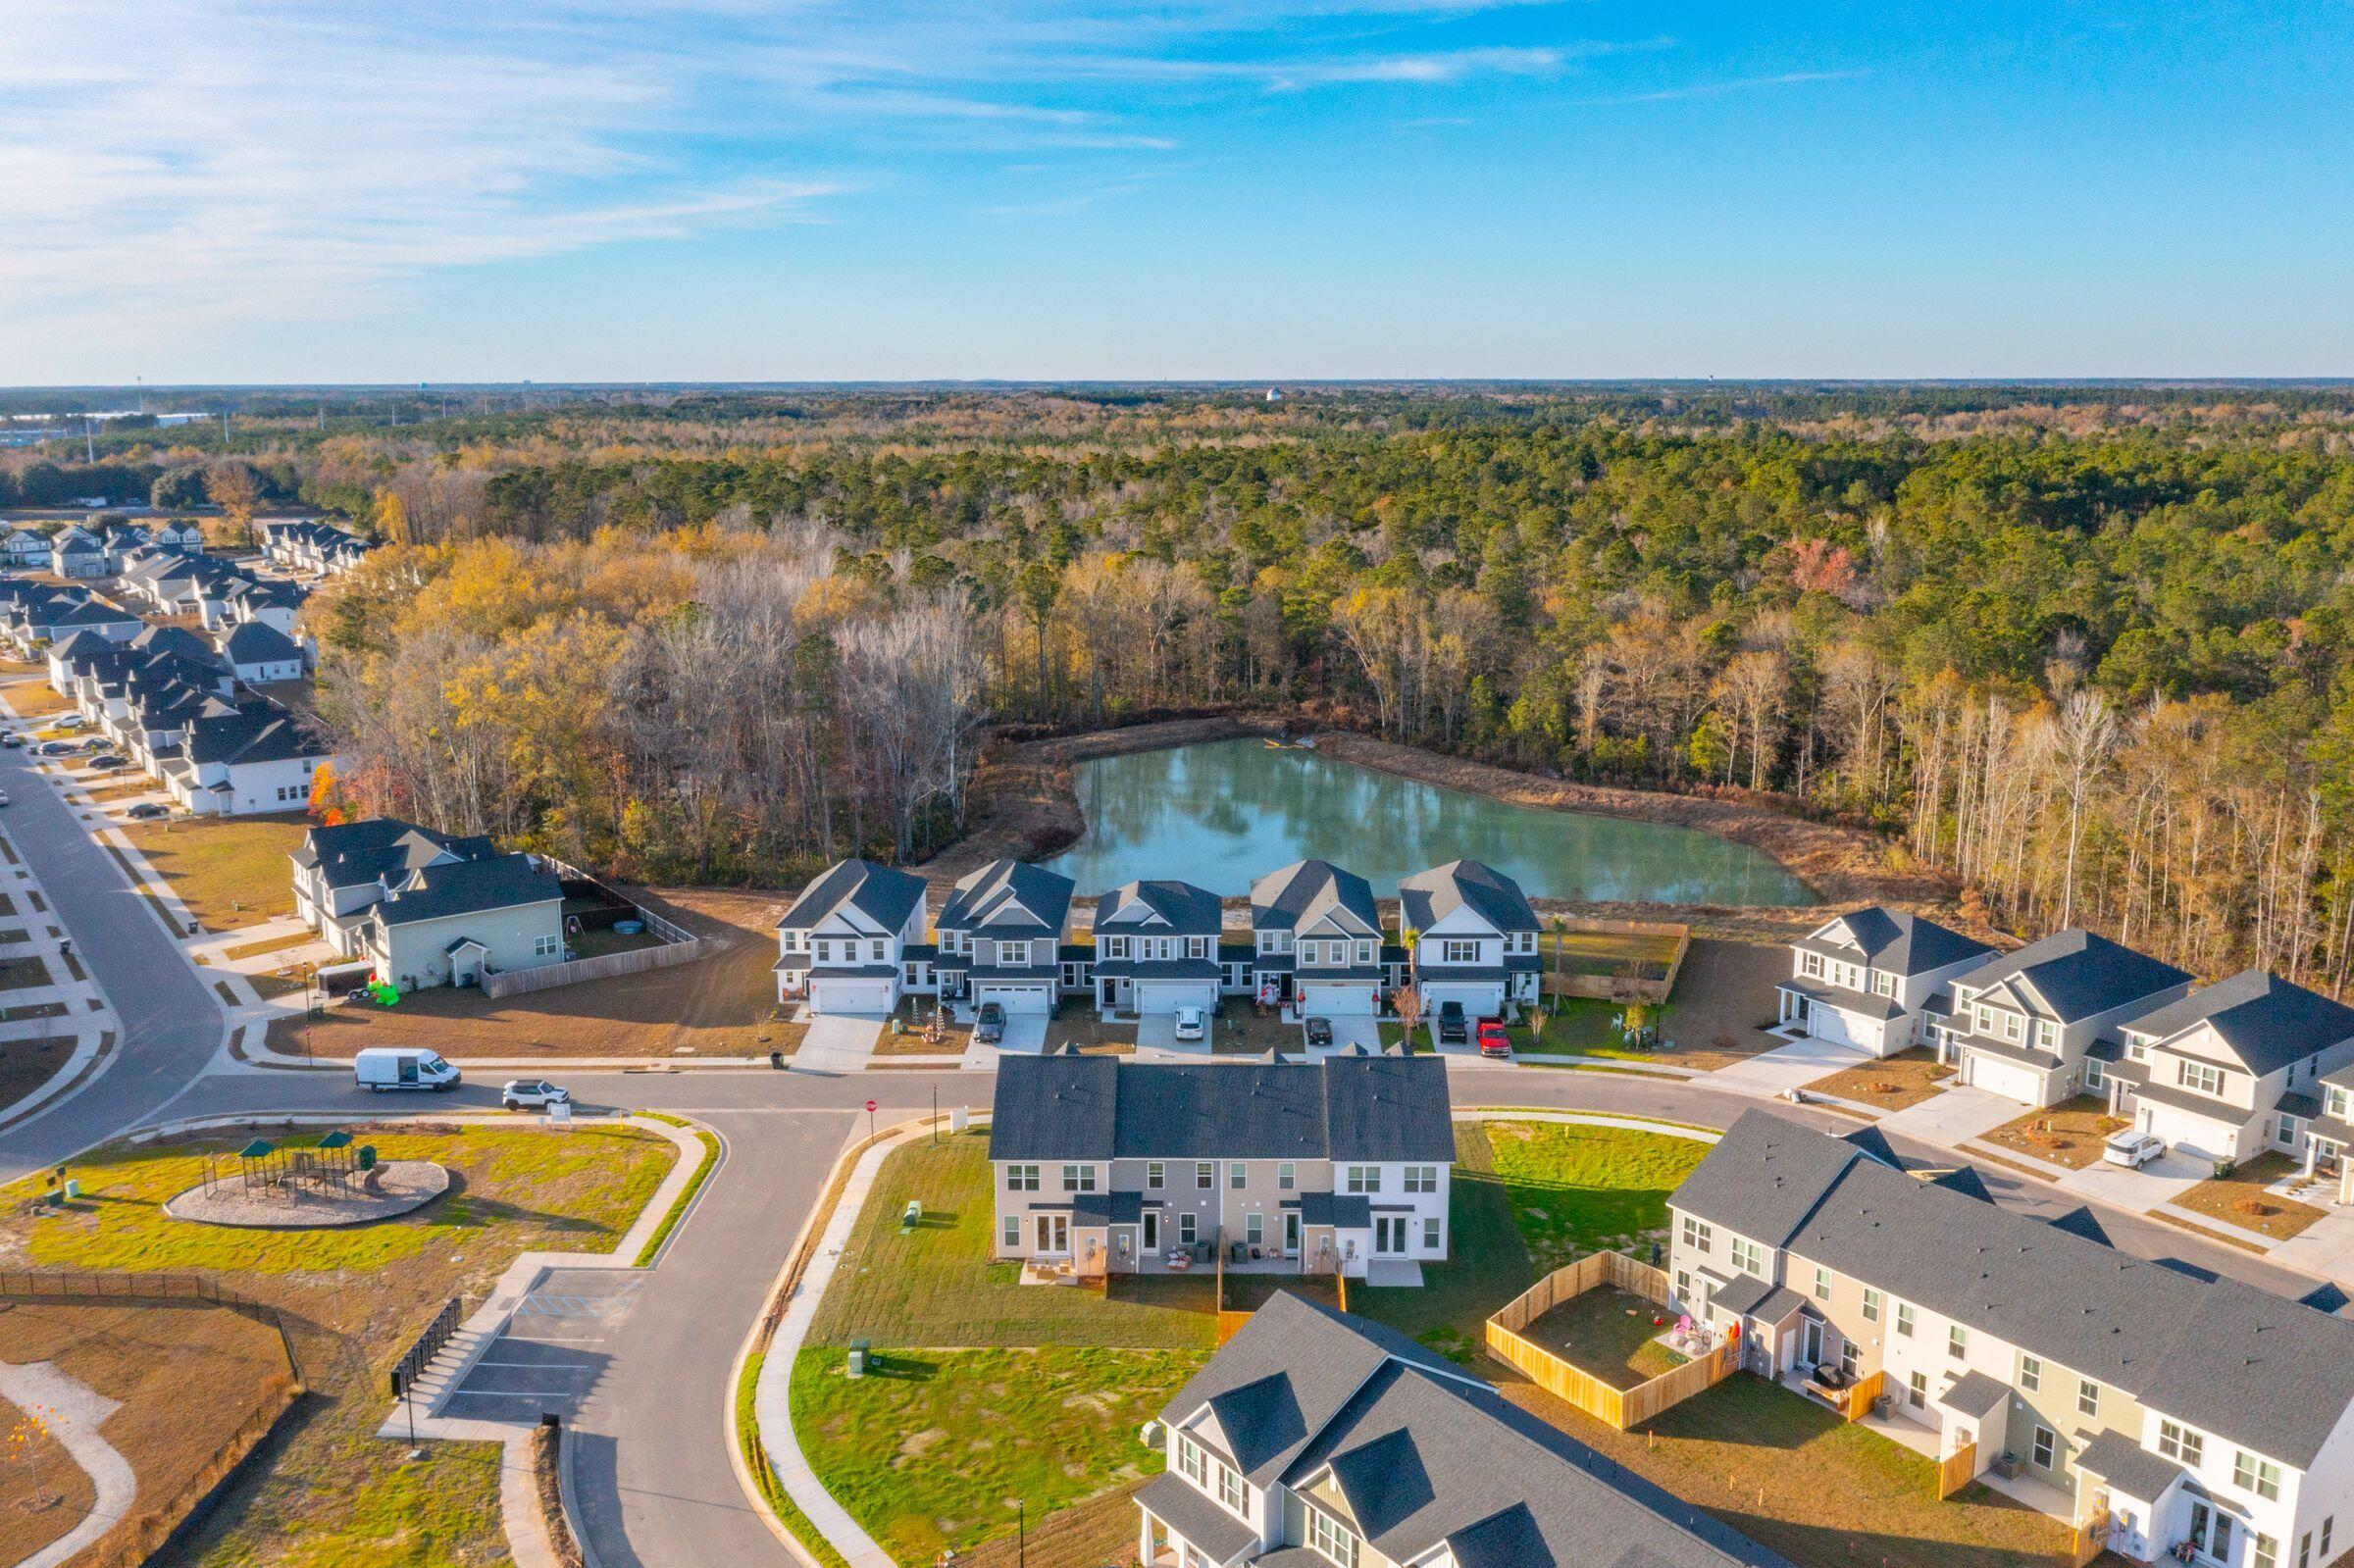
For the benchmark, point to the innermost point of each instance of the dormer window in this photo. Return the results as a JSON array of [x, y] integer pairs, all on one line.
[[1331, 1539]]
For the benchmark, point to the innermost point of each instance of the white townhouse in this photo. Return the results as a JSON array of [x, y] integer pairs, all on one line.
[[1315, 1438], [2024, 1025], [343, 871], [256, 653], [1000, 939], [840, 946], [76, 552], [1879, 979], [258, 759], [1317, 942], [23, 549], [2180, 1414], [1473, 937], [1156, 948], [2230, 1071], [1109, 1166]]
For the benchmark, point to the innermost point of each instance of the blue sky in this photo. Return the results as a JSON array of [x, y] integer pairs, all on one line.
[[1257, 189]]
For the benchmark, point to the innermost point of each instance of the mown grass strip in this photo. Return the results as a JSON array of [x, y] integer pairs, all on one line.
[[678, 1208], [748, 1437]]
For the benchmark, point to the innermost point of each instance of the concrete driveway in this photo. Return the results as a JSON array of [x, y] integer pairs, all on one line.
[[838, 1042], [2324, 1247], [1955, 1115], [1025, 1036], [2162, 1181], [1792, 1066], [1347, 1032]]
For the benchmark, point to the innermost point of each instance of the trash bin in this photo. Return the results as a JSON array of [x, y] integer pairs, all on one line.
[[775, 1059]]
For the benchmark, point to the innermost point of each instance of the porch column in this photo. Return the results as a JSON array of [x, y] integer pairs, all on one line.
[[2313, 1155]]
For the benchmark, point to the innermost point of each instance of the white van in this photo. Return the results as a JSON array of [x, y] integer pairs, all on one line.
[[384, 1069]]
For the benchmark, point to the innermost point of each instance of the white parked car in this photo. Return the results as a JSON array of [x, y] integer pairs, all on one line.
[[2133, 1150], [532, 1094], [73, 721], [1190, 1023]]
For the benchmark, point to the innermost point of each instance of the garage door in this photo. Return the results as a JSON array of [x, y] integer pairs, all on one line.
[[1339, 1001], [1828, 1023], [1014, 998], [1167, 997], [2006, 1079], [850, 995]]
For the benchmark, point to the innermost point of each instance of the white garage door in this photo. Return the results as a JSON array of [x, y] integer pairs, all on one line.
[[1168, 995], [1014, 998], [1356, 1000], [1478, 1001], [1828, 1023], [849, 996], [2006, 1079]]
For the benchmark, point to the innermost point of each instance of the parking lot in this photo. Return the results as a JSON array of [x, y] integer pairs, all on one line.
[[552, 1351]]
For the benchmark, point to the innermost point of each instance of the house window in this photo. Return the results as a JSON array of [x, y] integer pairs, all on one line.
[[1364, 952], [1078, 1179], [543, 946], [2094, 1077], [1287, 1177], [1917, 1389], [1823, 1283], [1157, 1176], [1904, 1319], [2288, 1131], [821, 950], [2180, 1443], [1748, 1256], [1365, 1178], [1013, 1237], [1115, 946], [1238, 1175], [1814, 966], [2013, 1025], [1455, 951], [1957, 1342], [1430, 1232], [2266, 1552], [878, 951], [1186, 1223], [1698, 1235], [2340, 1102], [1421, 1179], [2088, 1397], [1871, 1304], [2046, 1440], [2047, 1035], [2258, 1475], [1684, 1284], [1205, 1176], [1333, 1540], [1255, 1229], [1883, 984], [2201, 1077], [1230, 1489], [1197, 947], [2031, 1373], [1021, 1178], [1192, 1462]]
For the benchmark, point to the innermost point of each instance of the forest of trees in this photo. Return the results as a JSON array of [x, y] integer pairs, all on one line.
[[2089, 650]]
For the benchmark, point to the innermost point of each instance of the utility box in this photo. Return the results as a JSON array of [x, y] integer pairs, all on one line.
[[958, 1117]]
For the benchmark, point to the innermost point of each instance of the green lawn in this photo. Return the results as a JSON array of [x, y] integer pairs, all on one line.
[[1611, 1334], [231, 872], [387, 1514], [1604, 953], [1574, 1190], [1577, 1026], [929, 1449], [579, 1190]]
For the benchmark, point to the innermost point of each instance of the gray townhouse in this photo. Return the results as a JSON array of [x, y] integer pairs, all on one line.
[[1472, 937], [2232, 1070], [2194, 1414], [1877, 979], [841, 946], [343, 872], [76, 552], [1109, 1166], [1315, 1438], [1317, 942], [2024, 1025], [1001, 938], [1157, 948]]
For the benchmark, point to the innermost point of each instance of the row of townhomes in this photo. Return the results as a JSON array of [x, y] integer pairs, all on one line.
[[426, 908], [1108, 1166], [2250, 1064], [96, 550], [1315, 1438], [310, 545], [2199, 1417], [859, 939]]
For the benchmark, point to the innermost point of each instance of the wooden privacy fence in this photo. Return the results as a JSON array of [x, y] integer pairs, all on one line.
[[636, 961], [2092, 1539], [1957, 1469], [1616, 1407], [1622, 988]]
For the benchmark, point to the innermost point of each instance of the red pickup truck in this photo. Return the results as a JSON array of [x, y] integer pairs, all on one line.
[[1491, 1038]]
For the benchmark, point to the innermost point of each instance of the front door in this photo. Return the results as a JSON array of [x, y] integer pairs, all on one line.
[[1054, 1234], [1813, 1353], [1389, 1235], [1290, 1234], [1151, 1229]]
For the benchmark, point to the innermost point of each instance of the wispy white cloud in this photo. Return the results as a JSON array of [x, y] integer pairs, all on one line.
[[1713, 89]]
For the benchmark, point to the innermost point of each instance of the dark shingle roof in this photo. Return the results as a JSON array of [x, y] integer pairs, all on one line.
[[385, 849], [469, 888], [1100, 1108], [258, 643], [2266, 1021], [1900, 942], [2131, 1470], [882, 893], [1428, 896], [993, 900], [1307, 891], [1188, 911], [2080, 974]]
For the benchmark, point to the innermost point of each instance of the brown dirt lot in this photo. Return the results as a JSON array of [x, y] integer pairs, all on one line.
[[1608, 1333], [27, 1064], [1890, 1085], [32, 699], [2069, 1133], [2240, 1200], [720, 1005], [1723, 991], [147, 1357], [27, 1523]]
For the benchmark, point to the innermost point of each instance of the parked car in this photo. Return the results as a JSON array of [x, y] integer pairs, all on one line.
[[1190, 1024], [988, 1024], [108, 761], [2133, 1150], [12, 740], [532, 1094], [1319, 1032], [3, 797], [148, 811], [53, 748], [1453, 1031], [385, 1069], [1493, 1041], [73, 721]]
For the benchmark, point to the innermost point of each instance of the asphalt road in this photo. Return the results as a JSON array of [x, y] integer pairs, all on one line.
[[656, 1484]]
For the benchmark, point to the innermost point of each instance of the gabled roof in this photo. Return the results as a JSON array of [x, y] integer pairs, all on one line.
[[2271, 1374], [1011, 898], [1899, 942], [73, 537], [382, 849], [882, 893], [1427, 1456], [2080, 974], [260, 732], [468, 887], [1429, 897], [1184, 910], [1373, 1108], [258, 643], [174, 641], [1307, 892], [2266, 1021]]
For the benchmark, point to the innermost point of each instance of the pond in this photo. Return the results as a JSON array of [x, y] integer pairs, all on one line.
[[1220, 814]]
